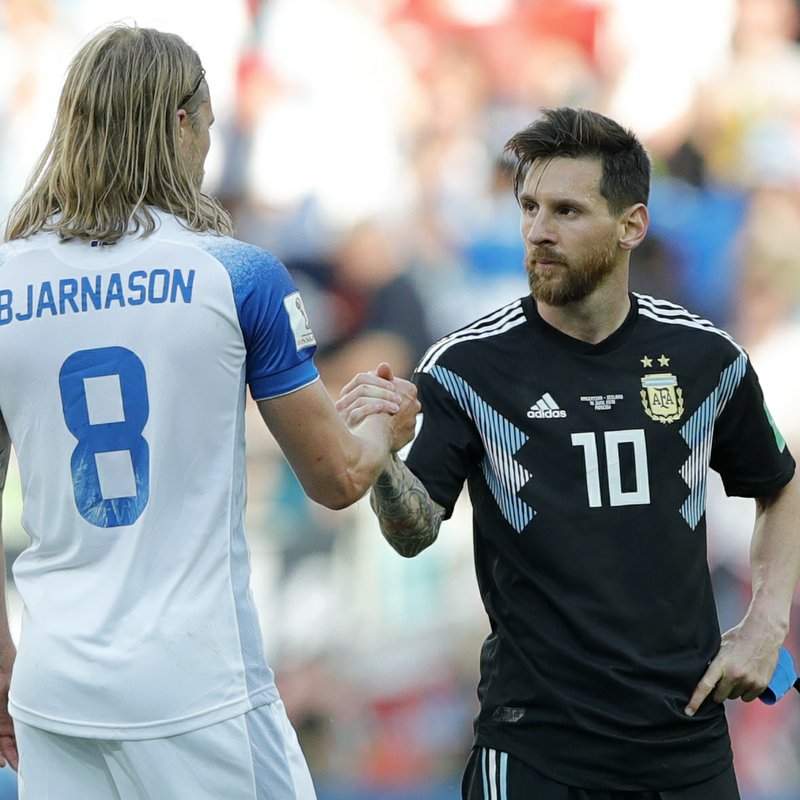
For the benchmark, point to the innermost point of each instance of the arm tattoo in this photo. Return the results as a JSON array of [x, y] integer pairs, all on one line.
[[408, 518]]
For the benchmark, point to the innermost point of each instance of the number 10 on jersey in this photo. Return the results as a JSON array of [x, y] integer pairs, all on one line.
[[613, 441], [105, 404]]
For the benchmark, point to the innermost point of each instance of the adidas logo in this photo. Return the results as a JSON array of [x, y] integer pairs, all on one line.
[[546, 408]]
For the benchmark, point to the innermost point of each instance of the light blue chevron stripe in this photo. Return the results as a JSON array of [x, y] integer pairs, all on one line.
[[698, 433], [504, 475]]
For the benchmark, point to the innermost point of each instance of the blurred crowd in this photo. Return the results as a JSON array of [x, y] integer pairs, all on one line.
[[361, 141]]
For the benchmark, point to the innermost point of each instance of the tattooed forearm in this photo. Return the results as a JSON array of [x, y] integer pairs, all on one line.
[[408, 518]]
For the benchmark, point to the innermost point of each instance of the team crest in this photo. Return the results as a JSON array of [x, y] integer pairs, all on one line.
[[662, 398]]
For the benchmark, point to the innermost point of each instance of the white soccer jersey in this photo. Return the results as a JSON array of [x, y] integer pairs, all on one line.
[[122, 383]]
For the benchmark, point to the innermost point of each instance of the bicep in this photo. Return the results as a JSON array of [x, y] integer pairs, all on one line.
[[785, 500]]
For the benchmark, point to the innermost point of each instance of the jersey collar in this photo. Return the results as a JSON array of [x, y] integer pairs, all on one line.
[[566, 342]]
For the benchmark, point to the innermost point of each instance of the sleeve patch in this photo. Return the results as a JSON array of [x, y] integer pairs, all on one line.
[[298, 319]]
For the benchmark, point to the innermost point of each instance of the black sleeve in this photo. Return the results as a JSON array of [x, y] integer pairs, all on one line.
[[447, 447], [748, 450]]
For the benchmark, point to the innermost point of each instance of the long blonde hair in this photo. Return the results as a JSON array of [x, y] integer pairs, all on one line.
[[113, 151]]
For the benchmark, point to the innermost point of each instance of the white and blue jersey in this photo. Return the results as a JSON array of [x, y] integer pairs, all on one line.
[[122, 383]]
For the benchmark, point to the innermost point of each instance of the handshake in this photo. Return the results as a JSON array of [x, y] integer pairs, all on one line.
[[380, 392]]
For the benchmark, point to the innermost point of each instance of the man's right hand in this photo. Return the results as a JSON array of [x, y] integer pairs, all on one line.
[[8, 740], [379, 391]]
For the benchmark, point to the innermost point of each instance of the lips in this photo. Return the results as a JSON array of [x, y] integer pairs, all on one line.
[[544, 263], [544, 259]]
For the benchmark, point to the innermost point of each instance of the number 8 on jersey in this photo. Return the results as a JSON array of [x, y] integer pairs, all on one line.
[[105, 404]]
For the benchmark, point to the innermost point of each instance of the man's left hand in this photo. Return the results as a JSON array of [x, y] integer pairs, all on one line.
[[743, 667]]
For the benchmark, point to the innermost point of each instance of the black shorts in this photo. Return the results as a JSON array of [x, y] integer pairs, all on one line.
[[492, 775]]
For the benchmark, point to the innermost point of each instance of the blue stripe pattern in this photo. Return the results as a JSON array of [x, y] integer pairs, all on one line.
[[503, 776], [698, 434], [504, 475]]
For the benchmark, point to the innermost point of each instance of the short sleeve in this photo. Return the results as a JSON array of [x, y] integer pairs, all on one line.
[[447, 445], [748, 450], [277, 333]]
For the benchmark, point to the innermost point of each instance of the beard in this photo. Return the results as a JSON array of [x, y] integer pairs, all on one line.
[[569, 280]]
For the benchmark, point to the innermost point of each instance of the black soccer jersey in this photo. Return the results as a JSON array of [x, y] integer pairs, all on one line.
[[586, 467]]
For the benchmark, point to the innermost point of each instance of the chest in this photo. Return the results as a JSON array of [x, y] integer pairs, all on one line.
[[610, 426]]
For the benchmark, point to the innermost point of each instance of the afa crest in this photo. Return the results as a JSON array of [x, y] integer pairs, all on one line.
[[662, 398]]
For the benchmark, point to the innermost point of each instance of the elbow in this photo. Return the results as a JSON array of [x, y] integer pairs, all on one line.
[[408, 549], [337, 502], [339, 492]]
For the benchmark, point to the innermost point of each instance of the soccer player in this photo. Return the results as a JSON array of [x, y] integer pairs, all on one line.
[[131, 324], [584, 419]]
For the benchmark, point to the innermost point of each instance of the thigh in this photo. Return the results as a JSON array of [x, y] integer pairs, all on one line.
[[55, 767], [721, 787], [494, 775], [251, 757]]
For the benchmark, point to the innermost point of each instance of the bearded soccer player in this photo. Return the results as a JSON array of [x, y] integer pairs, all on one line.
[[131, 324], [584, 419]]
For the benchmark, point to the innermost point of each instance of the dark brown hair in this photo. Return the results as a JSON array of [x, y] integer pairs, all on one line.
[[579, 133]]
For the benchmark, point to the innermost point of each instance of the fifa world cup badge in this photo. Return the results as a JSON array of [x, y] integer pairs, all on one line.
[[662, 398]]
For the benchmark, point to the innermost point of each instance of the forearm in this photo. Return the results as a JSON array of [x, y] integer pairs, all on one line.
[[775, 559], [338, 458], [368, 453], [335, 465], [408, 518], [7, 650]]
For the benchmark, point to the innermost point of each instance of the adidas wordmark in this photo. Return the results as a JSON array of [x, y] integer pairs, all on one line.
[[546, 408]]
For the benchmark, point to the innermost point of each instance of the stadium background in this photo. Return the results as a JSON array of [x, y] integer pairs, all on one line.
[[360, 140]]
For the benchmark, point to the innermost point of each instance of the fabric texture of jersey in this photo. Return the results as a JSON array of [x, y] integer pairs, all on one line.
[[123, 373], [586, 466]]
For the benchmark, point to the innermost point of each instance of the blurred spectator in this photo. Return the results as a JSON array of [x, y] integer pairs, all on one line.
[[749, 124], [367, 304], [35, 47], [768, 304], [333, 133], [768, 325]]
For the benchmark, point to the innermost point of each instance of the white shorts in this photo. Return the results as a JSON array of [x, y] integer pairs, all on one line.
[[255, 756]]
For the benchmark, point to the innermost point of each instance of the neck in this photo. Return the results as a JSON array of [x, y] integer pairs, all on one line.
[[594, 318]]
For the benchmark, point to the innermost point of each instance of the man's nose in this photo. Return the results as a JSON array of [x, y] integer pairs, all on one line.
[[538, 229]]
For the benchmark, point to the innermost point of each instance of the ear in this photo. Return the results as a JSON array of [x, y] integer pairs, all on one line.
[[633, 226], [183, 121]]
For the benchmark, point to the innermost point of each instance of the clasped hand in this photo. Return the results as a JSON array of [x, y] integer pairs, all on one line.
[[379, 391]]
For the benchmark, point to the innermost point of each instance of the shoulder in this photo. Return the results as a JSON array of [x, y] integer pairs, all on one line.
[[239, 258], [250, 268], [682, 323], [5, 252], [16, 247], [234, 254], [461, 342]]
